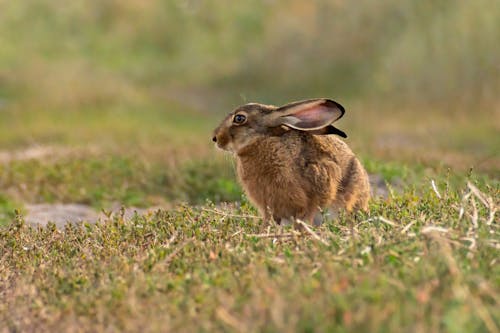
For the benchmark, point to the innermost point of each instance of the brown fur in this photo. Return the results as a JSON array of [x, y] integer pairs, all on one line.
[[289, 173]]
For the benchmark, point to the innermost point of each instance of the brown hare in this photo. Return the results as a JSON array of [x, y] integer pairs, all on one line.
[[289, 164]]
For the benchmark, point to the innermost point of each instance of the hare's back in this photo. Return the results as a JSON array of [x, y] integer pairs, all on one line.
[[333, 146]]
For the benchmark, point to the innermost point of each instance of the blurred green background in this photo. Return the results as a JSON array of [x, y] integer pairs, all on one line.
[[419, 79]]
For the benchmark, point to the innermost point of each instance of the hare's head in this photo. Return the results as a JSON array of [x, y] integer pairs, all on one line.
[[251, 121]]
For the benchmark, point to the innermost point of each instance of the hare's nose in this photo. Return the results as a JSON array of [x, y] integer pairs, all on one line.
[[214, 139]]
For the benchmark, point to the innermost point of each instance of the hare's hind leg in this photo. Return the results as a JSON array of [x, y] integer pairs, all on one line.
[[356, 202], [330, 213], [363, 199], [355, 188]]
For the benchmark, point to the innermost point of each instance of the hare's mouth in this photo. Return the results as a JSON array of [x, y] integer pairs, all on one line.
[[226, 146], [221, 142]]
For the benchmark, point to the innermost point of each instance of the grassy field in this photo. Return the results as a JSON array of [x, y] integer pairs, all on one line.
[[420, 261], [97, 111]]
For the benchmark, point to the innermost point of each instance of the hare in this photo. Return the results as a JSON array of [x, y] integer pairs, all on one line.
[[289, 164]]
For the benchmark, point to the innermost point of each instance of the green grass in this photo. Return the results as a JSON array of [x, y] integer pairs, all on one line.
[[101, 181], [411, 264], [7, 209], [143, 125]]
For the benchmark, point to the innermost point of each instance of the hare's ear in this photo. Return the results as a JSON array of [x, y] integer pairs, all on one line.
[[330, 129], [309, 115]]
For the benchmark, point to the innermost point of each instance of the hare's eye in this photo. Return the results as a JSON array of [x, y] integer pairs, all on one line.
[[239, 119]]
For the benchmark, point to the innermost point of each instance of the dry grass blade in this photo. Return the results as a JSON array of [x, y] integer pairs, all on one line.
[[478, 194], [475, 214], [434, 188], [462, 206], [471, 240], [218, 212], [386, 221], [431, 229], [170, 240], [290, 234], [491, 217], [408, 226], [236, 233], [311, 232], [486, 201], [493, 243], [229, 319]]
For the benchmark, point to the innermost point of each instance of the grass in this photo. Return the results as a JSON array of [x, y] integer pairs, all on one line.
[[414, 263], [106, 127], [105, 180], [7, 209]]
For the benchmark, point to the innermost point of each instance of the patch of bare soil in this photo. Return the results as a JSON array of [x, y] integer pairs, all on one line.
[[379, 187], [35, 152], [62, 214], [38, 152]]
